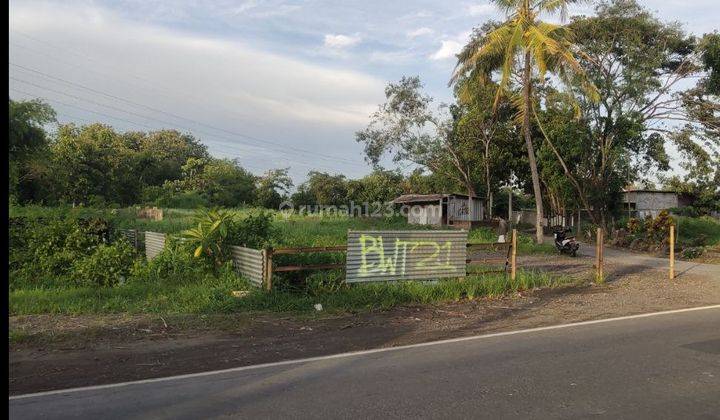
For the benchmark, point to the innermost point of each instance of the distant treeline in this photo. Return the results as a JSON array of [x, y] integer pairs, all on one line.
[[94, 165]]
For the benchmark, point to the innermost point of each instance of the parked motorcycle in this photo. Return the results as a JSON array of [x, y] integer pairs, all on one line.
[[565, 244]]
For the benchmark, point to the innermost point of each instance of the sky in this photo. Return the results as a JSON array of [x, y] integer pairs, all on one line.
[[272, 83]]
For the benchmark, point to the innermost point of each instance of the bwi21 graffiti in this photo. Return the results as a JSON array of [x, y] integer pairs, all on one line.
[[393, 257]]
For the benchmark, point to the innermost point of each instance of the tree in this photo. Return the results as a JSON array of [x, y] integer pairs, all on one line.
[[272, 187], [322, 188], [699, 139], [161, 154], [223, 181], [489, 131], [518, 47], [380, 186], [406, 127], [636, 62], [92, 165], [27, 142]]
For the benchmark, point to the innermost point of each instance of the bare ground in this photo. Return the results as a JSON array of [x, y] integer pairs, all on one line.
[[55, 352]]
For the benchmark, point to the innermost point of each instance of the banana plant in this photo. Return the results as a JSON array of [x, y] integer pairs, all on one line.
[[208, 237]]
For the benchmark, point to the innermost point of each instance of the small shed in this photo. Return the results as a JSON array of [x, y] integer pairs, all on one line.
[[442, 209], [644, 202]]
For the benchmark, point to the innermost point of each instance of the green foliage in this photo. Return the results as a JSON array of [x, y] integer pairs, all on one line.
[[27, 148], [108, 265], [322, 188], [273, 187], [207, 238], [698, 231], [255, 230], [181, 200], [175, 264], [65, 251], [211, 293]]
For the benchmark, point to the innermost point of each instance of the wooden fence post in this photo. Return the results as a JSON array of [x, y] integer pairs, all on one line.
[[513, 263], [599, 257], [672, 252], [267, 259]]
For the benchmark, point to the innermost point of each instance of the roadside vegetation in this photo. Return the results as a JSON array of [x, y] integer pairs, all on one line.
[[695, 236], [75, 261], [556, 117], [209, 293]]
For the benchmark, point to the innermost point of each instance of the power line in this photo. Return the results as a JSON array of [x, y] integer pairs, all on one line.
[[135, 123], [256, 139], [171, 124]]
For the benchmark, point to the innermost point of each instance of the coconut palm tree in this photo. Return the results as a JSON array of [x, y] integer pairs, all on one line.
[[523, 47]]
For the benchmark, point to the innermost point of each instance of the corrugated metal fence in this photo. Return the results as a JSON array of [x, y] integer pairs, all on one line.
[[154, 244], [405, 255], [249, 263]]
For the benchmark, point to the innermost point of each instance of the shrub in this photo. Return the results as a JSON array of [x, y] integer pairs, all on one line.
[[175, 264], [692, 252], [325, 282], [634, 226], [660, 227], [254, 231], [688, 211], [207, 238], [108, 265], [182, 200]]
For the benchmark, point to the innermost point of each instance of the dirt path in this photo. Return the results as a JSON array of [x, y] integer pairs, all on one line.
[[618, 263], [103, 349]]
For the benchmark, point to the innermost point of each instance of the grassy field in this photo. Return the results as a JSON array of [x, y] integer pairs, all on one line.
[[296, 230], [213, 295], [195, 291]]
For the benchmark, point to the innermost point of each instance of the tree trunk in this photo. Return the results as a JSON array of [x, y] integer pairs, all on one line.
[[531, 150]]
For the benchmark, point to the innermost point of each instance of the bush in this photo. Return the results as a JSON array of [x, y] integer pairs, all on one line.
[[50, 246], [692, 252], [175, 264], [108, 265], [183, 200], [688, 211], [253, 231]]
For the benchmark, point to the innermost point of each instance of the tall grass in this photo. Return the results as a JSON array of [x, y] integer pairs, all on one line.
[[692, 230], [213, 295]]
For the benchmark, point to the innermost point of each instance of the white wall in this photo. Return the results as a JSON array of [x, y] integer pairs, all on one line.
[[425, 214]]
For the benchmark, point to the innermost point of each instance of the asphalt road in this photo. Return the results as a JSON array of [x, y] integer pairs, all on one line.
[[661, 366]]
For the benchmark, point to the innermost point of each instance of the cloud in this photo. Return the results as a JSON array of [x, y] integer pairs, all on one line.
[[210, 81], [341, 41], [448, 49], [420, 32], [481, 9]]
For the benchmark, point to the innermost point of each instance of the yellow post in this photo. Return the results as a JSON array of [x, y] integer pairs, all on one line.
[[599, 258], [672, 252], [513, 259]]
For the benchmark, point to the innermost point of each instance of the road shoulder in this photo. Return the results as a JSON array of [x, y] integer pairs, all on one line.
[[101, 349]]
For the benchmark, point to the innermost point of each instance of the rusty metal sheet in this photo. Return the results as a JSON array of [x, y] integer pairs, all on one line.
[[405, 255], [154, 244], [249, 263]]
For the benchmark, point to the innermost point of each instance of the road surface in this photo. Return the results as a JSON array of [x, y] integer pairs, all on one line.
[[661, 366], [622, 261]]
